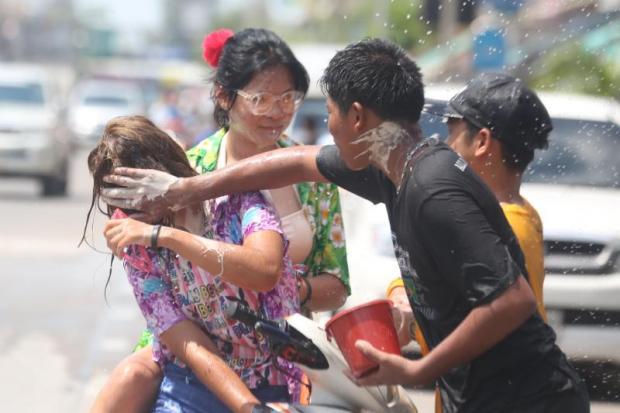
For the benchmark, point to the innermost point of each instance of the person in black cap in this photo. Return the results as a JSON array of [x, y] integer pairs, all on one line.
[[496, 123], [462, 267], [508, 123]]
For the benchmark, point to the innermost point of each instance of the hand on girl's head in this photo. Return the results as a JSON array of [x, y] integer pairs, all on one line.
[[140, 189]]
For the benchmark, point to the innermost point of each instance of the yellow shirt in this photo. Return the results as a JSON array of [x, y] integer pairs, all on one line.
[[527, 226]]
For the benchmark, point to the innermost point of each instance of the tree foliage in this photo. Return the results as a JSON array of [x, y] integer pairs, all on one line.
[[574, 69]]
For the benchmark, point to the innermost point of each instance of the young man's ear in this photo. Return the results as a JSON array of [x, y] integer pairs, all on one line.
[[483, 143], [358, 116], [363, 118]]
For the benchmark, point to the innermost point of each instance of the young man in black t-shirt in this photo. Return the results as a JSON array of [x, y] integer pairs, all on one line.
[[463, 269]]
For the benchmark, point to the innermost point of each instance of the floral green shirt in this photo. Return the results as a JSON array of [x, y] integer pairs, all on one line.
[[320, 202]]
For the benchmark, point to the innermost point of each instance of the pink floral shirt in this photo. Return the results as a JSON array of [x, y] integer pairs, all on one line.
[[173, 289]]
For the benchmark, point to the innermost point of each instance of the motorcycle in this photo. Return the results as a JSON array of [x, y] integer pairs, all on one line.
[[303, 341]]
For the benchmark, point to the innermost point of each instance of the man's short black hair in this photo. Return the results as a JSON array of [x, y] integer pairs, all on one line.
[[379, 75]]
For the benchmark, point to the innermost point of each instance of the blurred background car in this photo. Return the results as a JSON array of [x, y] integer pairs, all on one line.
[[94, 102], [310, 124], [33, 139], [575, 185]]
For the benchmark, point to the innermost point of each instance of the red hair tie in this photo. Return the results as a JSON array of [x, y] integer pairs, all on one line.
[[213, 44]]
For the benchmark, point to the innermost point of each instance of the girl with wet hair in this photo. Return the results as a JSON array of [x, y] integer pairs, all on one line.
[[186, 267], [258, 84]]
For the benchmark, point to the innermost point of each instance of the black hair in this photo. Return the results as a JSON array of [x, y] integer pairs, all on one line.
[[379, 75], [517, 158], [248, 53]]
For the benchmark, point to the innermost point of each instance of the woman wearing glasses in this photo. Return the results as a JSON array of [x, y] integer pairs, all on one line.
[[258, 85]]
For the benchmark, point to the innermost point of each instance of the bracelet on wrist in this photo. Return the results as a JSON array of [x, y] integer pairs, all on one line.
[[308, 292], [155, 235]]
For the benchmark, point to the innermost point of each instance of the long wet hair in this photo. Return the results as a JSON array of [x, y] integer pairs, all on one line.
[[135, 142]]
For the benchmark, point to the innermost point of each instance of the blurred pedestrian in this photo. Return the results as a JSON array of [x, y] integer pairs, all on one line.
[[309, 132], [166, 114]]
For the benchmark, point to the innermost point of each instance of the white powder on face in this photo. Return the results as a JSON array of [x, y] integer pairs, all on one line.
[[381, 141]]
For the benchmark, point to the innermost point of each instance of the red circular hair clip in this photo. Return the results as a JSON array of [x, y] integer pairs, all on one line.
[[213, 44]]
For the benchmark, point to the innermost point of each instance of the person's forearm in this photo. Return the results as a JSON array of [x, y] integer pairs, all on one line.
[[328, 293], [241, 265], [194, 348], [274, 169], [219, 378], [484, 327]]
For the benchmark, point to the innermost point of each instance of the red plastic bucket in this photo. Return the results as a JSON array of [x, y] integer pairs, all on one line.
[[371, 322]]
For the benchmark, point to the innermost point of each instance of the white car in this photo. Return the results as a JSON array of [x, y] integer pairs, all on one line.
[[94, 102], [33, 142], [575, 186]]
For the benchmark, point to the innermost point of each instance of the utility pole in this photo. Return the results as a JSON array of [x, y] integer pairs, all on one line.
[[447, 19]]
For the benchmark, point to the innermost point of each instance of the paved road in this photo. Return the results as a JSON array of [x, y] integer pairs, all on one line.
[[58, 337]]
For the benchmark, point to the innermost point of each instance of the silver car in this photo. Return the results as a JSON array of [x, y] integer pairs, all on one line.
[[94, 102], [33, 142], [575, 185]]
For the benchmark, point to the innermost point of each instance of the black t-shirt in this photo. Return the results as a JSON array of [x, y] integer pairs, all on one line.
[[456, 251]]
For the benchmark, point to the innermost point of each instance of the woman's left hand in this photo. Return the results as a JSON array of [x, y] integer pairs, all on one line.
[[120, 233]]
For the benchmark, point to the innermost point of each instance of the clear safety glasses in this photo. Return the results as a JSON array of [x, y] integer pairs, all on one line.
[[263, 103]]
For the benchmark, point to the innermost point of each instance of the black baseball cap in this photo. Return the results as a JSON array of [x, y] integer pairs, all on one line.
[[503, 104]]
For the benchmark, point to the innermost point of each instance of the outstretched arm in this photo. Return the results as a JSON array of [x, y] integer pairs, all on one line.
[[156, 191]]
